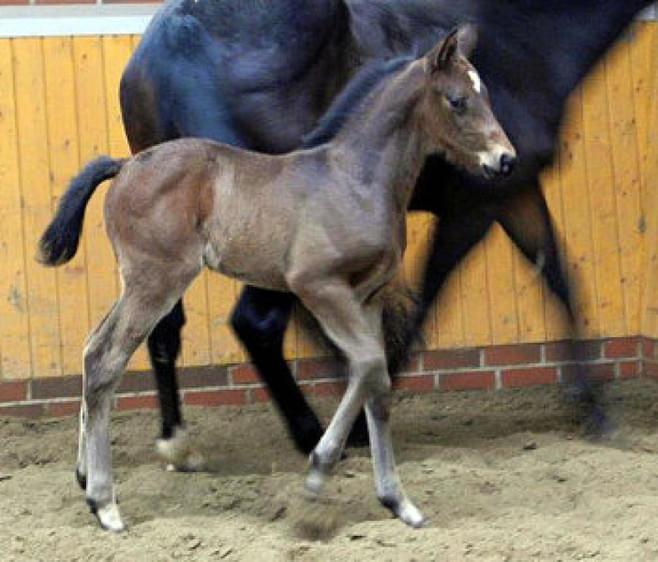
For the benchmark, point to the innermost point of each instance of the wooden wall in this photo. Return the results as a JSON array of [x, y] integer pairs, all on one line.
[[59, 108]]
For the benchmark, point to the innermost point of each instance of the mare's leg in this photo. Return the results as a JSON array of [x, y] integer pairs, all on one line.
[[356, 329], [454, 237], [526, 220], [260, 319], [164, 344]]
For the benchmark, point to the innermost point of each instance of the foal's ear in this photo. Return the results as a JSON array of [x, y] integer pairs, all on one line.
[[461, 40]]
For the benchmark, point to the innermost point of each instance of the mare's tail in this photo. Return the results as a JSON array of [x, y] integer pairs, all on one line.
[[59, 242]]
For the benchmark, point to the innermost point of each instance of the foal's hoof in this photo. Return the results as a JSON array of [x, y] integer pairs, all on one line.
[[407, 512], [108, 516], [178, 453]]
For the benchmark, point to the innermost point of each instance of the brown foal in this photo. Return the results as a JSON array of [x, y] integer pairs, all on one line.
[[326, 223]]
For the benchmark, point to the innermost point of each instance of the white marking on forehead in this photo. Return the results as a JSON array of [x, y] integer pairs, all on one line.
[[475, 78]]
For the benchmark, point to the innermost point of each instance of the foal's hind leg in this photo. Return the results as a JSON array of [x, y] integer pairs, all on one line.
[[356, 329], [108, 350]]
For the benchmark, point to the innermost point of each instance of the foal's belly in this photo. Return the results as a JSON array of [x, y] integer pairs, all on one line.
[[253, 263]]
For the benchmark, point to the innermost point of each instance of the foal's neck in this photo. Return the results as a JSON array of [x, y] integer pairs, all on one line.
[[381, 143]]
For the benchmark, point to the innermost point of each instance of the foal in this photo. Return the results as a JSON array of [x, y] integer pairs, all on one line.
[[326, 223]]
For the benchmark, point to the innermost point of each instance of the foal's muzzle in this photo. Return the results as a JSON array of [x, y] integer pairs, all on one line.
[[502, 167]]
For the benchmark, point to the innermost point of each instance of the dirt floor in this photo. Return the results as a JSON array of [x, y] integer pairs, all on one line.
[[503, 476]]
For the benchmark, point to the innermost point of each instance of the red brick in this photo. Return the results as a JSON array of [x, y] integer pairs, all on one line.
[[131, 1], [57, 387], [334, 389], [649, 348], [529, 376], [13, 2], [13, 391], [200, 377], [416, 383], [23, 411], [412, 366], [625, 348], [599, 371], [144, 402], [215, 397], [53, 2], [650, 369], [63, 409], [259, 395], [629, 369], [565, 351], [450, 359], [512, 354], [244, 374], [319, 368], [467, 381]]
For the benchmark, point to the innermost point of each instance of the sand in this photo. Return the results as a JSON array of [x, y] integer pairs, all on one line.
[[502, 476]]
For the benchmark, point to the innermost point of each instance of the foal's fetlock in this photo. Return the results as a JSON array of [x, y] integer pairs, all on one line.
[[107, 513], [81, 478], [320, 466]]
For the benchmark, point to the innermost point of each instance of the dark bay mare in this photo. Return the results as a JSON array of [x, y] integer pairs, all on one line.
[[327, 223], [259, 74]]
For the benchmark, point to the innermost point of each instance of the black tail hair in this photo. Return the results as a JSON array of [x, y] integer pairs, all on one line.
[[59, 242]]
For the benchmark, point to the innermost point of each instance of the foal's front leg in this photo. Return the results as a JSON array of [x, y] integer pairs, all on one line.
[[356, 329]]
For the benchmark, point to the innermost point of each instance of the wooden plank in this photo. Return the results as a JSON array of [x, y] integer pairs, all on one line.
[[42, 302], [64, 164], [577, 222], [475, 295], [650, 321], [222, 292], [627, 179], [501, 289], [642, 51], [14, 328], [420, 228], [448, 313], [602, 204], [93, 140], [554, 313]]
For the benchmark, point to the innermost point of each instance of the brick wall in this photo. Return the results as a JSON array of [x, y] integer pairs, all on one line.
[[493, 367]]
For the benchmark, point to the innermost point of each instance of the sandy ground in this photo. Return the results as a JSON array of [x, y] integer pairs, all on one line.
[[503, 476]]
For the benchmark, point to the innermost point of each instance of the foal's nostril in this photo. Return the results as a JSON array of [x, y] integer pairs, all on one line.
[[507, 162]]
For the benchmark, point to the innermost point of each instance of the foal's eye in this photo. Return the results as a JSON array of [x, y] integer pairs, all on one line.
[[457, 103]]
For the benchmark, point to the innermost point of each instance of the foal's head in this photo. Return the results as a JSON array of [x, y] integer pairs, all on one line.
[[457, 117]]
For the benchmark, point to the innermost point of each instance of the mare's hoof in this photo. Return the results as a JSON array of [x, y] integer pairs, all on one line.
[[597, 425], [178, 453]]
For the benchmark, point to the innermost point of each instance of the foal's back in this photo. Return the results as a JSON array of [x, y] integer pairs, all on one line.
[[207, 203]]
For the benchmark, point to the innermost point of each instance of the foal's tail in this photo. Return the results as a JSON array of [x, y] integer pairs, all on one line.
[[59, 242]]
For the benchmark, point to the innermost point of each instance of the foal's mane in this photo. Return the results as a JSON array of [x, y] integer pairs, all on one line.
[[363, 82]]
